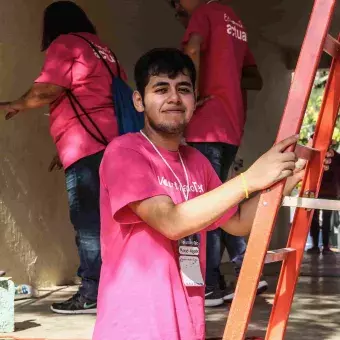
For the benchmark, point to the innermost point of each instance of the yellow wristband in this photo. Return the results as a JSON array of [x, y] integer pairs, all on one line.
[[245, 185]]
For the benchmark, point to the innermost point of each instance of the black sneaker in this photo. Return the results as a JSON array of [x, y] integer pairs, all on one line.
[[327, 251], [75, 305], [229, 291], [213, 297], [262, 287], [313, 251]]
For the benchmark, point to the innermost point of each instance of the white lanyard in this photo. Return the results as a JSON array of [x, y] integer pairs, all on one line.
[[185, 192], [209, 2]]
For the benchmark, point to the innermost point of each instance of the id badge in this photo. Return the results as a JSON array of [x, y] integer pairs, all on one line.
[[188, 249]]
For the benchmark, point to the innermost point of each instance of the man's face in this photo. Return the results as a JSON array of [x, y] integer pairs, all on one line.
[[169, 103]]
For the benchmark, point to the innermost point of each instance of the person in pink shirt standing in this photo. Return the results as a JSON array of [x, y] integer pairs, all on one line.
[[217, 42], [77, 85], [158, 199]]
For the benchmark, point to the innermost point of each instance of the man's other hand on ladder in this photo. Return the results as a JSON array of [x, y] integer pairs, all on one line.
[[280, 164]]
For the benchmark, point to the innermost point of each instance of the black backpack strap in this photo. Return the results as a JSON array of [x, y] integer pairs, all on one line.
[[72, 98], [117, 64], [101, 57]]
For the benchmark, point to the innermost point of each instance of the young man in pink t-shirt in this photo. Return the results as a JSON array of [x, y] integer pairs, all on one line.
[[217, 42], [158, 199], [72, 67]]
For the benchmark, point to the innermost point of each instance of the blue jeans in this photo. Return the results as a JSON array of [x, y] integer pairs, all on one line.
[[221, 157], [82, 183]]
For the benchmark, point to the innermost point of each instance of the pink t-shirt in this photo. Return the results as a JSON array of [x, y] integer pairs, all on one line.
[[71, 63], [224, 54], [141, 294]]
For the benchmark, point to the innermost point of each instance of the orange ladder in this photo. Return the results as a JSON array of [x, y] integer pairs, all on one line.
[[316, 40]]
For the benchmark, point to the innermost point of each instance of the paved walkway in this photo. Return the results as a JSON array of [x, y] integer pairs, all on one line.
[[315, 313]]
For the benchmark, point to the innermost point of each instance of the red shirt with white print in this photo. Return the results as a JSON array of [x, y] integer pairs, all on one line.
[[224, 53]]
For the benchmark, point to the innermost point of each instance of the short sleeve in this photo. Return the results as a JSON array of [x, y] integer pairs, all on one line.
[[128, 177], [249, 59], [57, 68], [198, 24], [213, 183]]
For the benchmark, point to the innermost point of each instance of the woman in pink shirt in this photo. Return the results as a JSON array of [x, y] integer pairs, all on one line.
[[73, 69]]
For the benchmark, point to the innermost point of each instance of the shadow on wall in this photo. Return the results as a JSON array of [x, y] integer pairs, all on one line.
[[36, 239]]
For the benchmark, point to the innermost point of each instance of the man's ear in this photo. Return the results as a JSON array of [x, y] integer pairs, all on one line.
[[138, 101]]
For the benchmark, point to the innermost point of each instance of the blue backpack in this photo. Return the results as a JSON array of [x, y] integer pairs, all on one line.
[[128, 118]]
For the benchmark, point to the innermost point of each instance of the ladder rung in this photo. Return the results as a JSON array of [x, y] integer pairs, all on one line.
[[278, 255], [332, 46], [311, 203], [305, 152]]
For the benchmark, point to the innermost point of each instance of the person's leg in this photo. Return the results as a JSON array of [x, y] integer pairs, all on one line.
[[235, 245], [213, 151], [83, 186], [314, 233], [326, 229]]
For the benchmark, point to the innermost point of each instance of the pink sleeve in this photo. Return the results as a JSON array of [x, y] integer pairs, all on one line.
[[215, 182], [249, 59], [128, 177], [58, 63], [199, 24]]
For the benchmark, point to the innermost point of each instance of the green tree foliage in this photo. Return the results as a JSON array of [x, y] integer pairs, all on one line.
[[313, 109]]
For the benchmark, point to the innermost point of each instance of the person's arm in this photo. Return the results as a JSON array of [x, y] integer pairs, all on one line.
[[38, 95], [193, 50], [55, 77], [178, 221], [196, 39], [240, 224], [251, 78]]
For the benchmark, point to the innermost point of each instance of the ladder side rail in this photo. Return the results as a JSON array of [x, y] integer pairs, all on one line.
[[302, 219], [270, 201]]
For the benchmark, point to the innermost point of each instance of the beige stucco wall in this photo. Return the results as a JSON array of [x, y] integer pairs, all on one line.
[[264, 116], [36, 239]]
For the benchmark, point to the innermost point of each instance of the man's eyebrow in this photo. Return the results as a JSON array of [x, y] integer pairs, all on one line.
[[185, 83], [164, 83], [160, 83]]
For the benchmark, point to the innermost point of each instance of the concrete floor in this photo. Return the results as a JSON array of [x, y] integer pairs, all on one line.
[[315, 313]]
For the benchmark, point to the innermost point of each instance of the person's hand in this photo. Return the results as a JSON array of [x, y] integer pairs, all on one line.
[[55, 164], [202, 100], [299, 171], [10, 112], [236, 168], [272, 167], [328, 159]]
